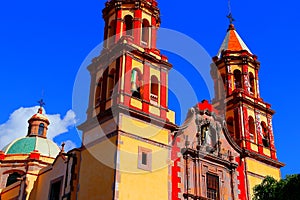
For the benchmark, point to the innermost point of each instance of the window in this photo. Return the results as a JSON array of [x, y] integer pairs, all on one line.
[[128, 24], [144, 159], [252, 85], [112, 32], [154, 90], [55, 189], [230, 126], [136, 83], [145, 31], [111, 82], [98, 93], [212, 182], [41, 129], [252, 131], [237, 79], [12, 178], [266, 136]]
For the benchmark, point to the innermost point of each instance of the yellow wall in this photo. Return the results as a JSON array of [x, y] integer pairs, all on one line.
[[257, 171], [96, 175], [138, 184], [144, 129]]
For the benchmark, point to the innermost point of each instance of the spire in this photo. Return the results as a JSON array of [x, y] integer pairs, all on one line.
[[233, 42]]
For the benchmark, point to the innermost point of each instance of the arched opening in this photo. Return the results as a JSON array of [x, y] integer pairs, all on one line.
[[252, 81], [145, 31], [230, 126], [265, 133], [136, 83], [237, 79], [154, 89], [128, 24], [41, 129], [112, 32], [12, 178], [111, 82], [252, 131], [98, 93]]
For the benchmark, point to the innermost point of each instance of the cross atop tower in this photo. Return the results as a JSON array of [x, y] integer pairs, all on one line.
[[41, 103], [230, 17]]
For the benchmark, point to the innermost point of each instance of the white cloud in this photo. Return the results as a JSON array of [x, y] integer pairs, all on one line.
[[16, 126]]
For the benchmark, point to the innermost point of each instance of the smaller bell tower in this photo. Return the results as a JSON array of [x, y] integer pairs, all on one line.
[[235, 71]]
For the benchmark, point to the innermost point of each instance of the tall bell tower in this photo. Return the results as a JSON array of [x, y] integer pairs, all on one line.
[[248, 116], [127, 134]]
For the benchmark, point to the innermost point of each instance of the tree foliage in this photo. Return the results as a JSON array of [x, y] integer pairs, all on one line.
[[285, 189]]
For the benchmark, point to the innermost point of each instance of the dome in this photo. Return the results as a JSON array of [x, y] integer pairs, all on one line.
[[28, 144]]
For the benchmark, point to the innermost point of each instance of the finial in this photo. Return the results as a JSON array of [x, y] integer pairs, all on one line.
[[230, 16], [63, 147], [42, 103]]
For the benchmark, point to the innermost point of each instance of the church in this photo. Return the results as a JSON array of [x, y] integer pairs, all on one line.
[[131, 146]]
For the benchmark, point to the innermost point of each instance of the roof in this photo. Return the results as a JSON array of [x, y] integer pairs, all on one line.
[[233, 41], [26, 145], [39, 116]]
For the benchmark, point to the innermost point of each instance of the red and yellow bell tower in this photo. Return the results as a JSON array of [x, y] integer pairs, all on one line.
[[128, 129], [249, 118]]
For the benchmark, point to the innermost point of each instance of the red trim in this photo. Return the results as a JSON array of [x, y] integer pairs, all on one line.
[[137, 24], [237, 124], [163, 94], [35, 155], [154, 33], [242, 179], [258, 130], [229, 83], [2, 155], [105, 76], [176, 180], [271, 136], [127, 81], [146, 88], [246, 78], [118, 25], [246, 128]]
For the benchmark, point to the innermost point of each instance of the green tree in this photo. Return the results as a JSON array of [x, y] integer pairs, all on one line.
[[285, 189]]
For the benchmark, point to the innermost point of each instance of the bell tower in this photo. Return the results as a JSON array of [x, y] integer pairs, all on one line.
[[249, 118], [127, 135], [130, 73]]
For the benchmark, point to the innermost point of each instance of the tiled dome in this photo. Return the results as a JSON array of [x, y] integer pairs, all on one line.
[[26, 145]]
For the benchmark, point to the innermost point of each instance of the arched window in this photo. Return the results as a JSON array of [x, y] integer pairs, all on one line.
[[128, 24], [111, 82], [252, 80], [252, 133], [136, 83], [237, 79], [230, 126], [145, 31], [98, 92], [266, 136], [12, 178], [154, 89], [112, 32], [41, 129]]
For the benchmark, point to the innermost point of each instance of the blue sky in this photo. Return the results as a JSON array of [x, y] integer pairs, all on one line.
[[43, 44]]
